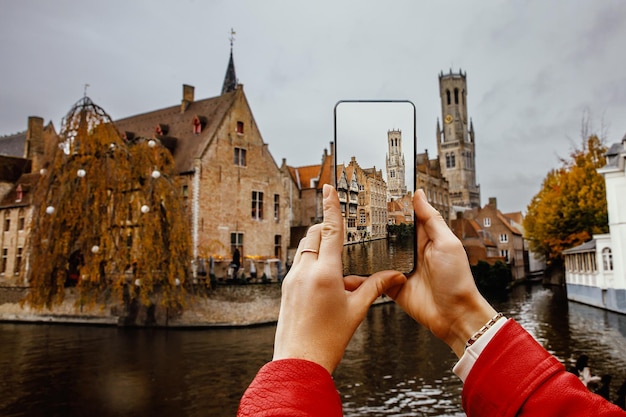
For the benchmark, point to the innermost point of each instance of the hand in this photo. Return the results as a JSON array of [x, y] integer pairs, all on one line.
[[319, 310], [441, 293]]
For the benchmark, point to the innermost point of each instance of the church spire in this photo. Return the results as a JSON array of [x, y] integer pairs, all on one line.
[[230, 80]]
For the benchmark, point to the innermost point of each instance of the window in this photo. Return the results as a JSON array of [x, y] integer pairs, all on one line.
[[392, 173], [450, 160], [185, 191], [448, 96], [240, 128], [362, 217], [278, 248], [257, 205], [240, 157], [504, 238], [236, 242], [18, 261], [505, 254], [607, 259], [20, 220], [7, 225], [487, 222], [351, 222], [276, 207], [3, 261]]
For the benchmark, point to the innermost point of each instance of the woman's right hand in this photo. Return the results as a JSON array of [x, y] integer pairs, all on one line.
[[441, 293]]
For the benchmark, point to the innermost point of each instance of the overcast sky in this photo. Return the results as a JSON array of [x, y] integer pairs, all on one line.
[[533, 68]]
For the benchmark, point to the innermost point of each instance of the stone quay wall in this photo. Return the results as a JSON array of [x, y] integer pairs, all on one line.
[[227, 305]]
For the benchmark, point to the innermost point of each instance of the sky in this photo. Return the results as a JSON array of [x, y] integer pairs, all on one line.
[[535, 69]]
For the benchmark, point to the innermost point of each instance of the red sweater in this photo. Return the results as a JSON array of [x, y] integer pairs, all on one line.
[[513, 376]]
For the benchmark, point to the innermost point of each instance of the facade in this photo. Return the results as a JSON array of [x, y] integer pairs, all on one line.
[[595, 272], [234, 191], [21, 159], [395, 165], [455, 141], [508, 239], [477, 242], [371, 219], [400, 211], [430, 178]]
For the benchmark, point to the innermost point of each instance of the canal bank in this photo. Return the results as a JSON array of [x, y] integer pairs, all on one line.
[[225, 306]]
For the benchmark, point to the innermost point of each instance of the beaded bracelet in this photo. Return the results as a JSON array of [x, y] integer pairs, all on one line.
[[483, 330]]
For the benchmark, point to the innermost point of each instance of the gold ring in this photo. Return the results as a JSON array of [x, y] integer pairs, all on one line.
[[308, 250]]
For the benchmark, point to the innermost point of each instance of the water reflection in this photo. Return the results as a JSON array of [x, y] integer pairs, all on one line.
[[392, 367], [377, 255]]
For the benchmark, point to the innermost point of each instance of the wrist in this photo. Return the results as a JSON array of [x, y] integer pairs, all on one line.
[[468, 324]]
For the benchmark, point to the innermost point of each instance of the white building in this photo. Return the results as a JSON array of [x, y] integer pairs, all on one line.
[[595, 272]]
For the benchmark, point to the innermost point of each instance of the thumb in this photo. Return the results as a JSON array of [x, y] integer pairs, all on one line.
[[373, 287]]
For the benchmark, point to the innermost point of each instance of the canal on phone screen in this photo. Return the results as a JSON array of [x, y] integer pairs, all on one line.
[[392, 367]]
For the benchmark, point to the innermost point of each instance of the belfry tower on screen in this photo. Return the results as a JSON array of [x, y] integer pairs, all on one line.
[[455, 141], [396, 181]]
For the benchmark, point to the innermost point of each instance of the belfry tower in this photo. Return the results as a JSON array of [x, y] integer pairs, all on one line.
[[396, 183], [455, 141]]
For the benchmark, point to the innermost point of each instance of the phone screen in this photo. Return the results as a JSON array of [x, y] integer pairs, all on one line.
[[375, 143]]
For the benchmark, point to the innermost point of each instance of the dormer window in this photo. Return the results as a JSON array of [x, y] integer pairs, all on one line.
[[161, 129], [199, 123], [240, 128], [19, 193], [197, 126]]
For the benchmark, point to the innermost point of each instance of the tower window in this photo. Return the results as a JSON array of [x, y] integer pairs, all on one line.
[[456, 96], [448, 96]]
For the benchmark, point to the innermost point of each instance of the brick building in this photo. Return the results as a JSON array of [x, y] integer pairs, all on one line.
[[429, 178], [235, 194]]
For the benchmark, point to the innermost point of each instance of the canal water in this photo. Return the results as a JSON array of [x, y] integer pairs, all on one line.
[[392, 367]]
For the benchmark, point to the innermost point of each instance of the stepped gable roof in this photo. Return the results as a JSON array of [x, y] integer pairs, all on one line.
[[27, 184], [12, 168], [180, 136], [13, 145]]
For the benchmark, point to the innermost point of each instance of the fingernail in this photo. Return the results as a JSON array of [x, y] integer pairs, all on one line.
[[326, 190]]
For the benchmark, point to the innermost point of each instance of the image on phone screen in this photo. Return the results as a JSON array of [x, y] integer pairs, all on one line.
[[375, 144]]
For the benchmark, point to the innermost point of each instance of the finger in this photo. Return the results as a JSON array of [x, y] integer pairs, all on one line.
[[331, 245], [313, 238], [434, 226], [373, 287], [352, 282], [296, 258]]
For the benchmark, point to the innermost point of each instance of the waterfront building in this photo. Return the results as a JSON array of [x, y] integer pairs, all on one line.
[[595, 272], [477, 242], [508, 239], [429, 178], [455, 141], [235, 194], [21, 159], [400, 211], [371, 222]]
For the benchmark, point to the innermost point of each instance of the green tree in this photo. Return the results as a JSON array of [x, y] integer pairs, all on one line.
[[571, 205], [108, 218]]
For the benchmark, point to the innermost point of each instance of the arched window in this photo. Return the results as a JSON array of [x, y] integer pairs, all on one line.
[[448, 96], [456, 96], [607, 259]]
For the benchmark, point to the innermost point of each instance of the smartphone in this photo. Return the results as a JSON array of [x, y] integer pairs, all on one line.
[[374, 146]]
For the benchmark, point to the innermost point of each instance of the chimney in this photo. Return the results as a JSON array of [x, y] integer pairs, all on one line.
[[34, 146], [188, 92], [493, 203]]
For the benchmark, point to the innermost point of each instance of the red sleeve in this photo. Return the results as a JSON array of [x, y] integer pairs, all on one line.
[[291, 387], [515, 376]]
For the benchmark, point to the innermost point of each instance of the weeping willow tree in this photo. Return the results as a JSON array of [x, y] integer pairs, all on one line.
[[108, 218]]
